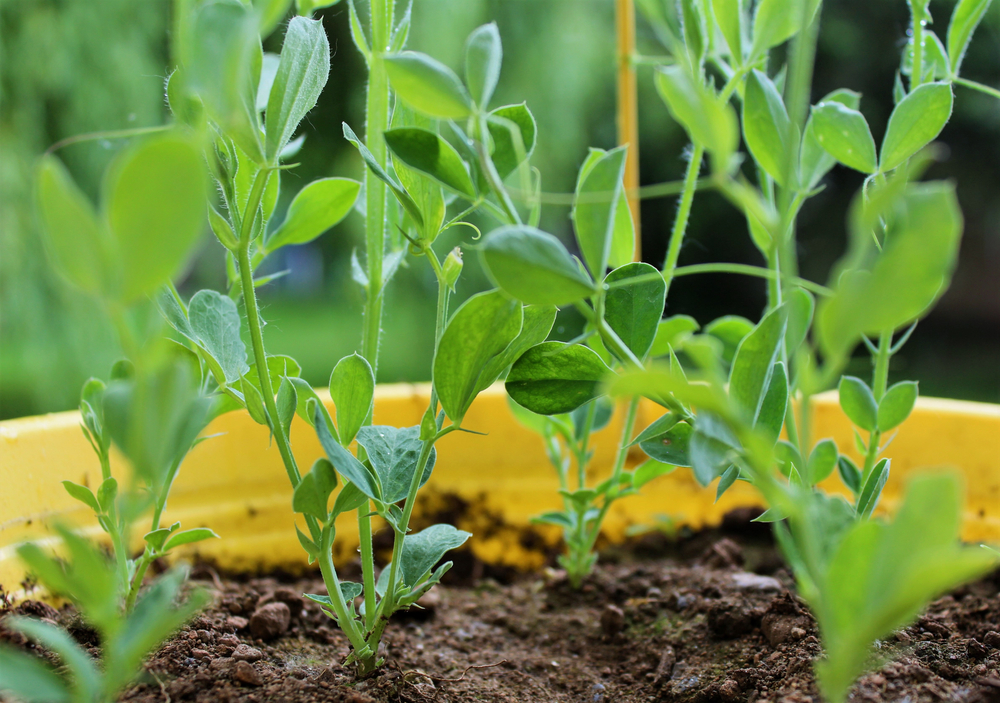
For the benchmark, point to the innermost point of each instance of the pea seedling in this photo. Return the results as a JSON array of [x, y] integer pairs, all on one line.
[[88, 579]]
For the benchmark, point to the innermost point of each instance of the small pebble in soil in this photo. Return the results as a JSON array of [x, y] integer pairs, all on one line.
[[755, 582], [270, 621], [598, 690], [992, 639], [245, 673], [200, 654], [237, 622], [247, 653], [612, 620]]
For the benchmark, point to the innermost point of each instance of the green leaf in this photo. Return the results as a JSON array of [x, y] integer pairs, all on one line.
[[935, 65], [313, 492], [483, 56], [535, 327], [554, 377], [729, 19], [801, 305], [221, 60], [156, 538], [402, 196], [814, 161], [771, 417], [197, 534], [730, 330], [896, 405], [155, 195], [706, 118], [425, 151], [344, 462], [510, 150], [426, 192], [858, 403], [352, 388], [421, 551], [83, 670], [850, 474], [394, 453], [822, 459], [769, 133], [75, 240], [350, 498], [670, 446], [317, 207], [215, 321], [428, 86], [872, 491], [603, 409], [776, 21], [914, 123], [633, 310], [882, 575], [964, 20], [304, 393], [845, 135], [287, 402], [710, 447], [876, 291], [694, 29], [82, 494], [107, 492], [534, 267], [754, 364], [302, 73], [270, 12], [480, 330], [597, 195], [670, 333], [649, 470], [30, 679]]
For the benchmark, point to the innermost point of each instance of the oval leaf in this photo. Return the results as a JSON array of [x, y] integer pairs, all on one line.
[[513, 131], [597, 195], [553, 377], [896, 405], [914, 122], [394, 453], [317, 207], [769, 133], [428, 153], [483, 56], [633, 310], [845, 135], [421, 551], [428, 85], [352, 388], [858, 403]]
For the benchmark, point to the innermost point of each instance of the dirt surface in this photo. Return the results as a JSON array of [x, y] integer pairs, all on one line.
[[703, 620]]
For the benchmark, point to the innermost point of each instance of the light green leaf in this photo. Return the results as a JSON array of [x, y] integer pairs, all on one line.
[[222, 60], [729, 19], [287, 402], [483, 56], [914, 123], [649, 470], [773, 406], [776, 21], [302, 73], [670, 333], [425, 151], [707, 119], [822, 459], [694, 29], [197, 534], [428, 86], [317, 207], [633, 310], [155, 196], [83, 494], [75, 240], [594, 217], [964, 21], [858, 403], [845, 135], [303, 394], [710, 448], [814, 161], [508, 154], [896, 405], [426, 192], [730, 330], [769, 133], [313, 492], [935, 64], [352, 388], [872, 490], [480, 330], [215, 322], [554, 377], [30, 679], [421, 551], [83, 670], [754, 363], [534, 267], [394, 453], [801, 305]]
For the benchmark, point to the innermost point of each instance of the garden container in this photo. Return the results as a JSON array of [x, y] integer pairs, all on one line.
[[490, 485]]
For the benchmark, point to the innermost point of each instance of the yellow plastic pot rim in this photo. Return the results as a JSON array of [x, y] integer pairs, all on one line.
[[493, 484]]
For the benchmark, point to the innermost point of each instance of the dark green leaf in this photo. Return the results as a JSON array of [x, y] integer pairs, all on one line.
[[754, 364], [710, 448], [287, 402], [479, 332], [215, 321], [553, 377], [317, 207], [350, 498], [670, 446], [483, 56], [352, 388], [302, 73], [872, 491], [409, 206], [850, 474], [726, 481], [394, 453], [344, 462], [914, 123], [773, 406], [313, 492], [896, 405], [428, 86], [421, 551], [633, 310], [597, 195], [425, 151], [534, 267], [769, 134], [535, 327]]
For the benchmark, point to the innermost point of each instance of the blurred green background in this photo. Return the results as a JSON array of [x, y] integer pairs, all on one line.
[[76, 66]]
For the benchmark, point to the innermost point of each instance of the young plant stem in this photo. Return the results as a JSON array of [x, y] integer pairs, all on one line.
[[917, 68], [977, 86], [490, 171], [747, 270], [344, 619], [880, 379], [630, 416], [683, 214], [584, 446]]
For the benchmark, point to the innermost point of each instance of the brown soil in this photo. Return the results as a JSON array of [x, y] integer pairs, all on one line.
[[703, 620]]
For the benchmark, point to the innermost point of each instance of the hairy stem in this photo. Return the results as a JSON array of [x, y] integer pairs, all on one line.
[[880, 379], [683, 213]]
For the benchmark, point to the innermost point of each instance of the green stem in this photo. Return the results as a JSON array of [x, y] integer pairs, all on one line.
[[917, 69], [748, 270], [630, 416], [492, 177], [140, 574], [108, 134], [584, 446], [344, 619], [683, 213], [880, 379], [977, 86], [774, 282]]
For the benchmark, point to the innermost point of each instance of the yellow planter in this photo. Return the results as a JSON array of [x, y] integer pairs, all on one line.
[[235, 483]]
